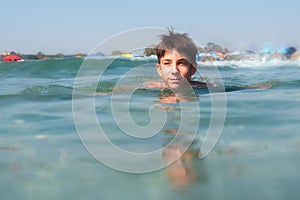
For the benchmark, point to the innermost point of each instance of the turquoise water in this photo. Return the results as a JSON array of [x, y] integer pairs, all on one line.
[[42, 157]]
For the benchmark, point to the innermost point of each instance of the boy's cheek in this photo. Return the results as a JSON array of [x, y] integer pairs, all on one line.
[[167, 70], [158, 69]]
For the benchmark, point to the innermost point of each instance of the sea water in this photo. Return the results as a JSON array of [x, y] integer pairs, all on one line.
[[43, 155]]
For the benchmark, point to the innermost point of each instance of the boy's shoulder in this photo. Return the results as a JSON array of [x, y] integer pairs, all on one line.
[[153, 85], [160, 85], [198, 84]]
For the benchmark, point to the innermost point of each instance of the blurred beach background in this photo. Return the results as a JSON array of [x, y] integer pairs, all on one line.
[[249, 43]]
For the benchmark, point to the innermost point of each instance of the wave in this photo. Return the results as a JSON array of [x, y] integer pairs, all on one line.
[[250, 63], [60, 92], [48, 91], [293, 84], [68, 67], [34, 79], [50, 68], [65, 68]]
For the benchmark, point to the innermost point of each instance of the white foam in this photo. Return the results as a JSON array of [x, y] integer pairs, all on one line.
[[250, 63]]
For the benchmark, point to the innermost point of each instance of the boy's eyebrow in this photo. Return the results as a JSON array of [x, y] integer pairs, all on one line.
[[166, 59], [182, 59], [169, 59]]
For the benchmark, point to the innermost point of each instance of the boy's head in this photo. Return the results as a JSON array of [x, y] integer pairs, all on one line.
[[176, 55], [181, 43]]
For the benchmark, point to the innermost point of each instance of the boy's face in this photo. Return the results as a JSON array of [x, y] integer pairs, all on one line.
[[175, 70]]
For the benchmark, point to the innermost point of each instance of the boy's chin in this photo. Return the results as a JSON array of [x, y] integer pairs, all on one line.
[[174, 86], [177, 86]]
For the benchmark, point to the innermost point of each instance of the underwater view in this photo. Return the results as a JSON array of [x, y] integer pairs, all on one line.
[[50, 146]]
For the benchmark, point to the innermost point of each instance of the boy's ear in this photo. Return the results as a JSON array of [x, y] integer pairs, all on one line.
[[158, 69], [193, 69]]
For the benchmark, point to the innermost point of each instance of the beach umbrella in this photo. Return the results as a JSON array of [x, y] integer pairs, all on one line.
[[129, 55], [288, 50], [11, 58], [267, 50], [97, 54], [198, 57], [136, 54], [250, 52]]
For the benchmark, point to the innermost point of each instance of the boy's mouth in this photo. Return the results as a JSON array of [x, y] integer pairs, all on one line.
[[174, 80]]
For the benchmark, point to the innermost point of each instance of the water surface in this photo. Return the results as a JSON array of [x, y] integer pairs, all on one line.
[[42, 156]]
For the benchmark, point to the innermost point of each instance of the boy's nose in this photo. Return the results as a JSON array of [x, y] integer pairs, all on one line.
[[174, 68]]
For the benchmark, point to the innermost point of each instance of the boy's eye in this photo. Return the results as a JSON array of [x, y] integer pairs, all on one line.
[[167, 63], [183, 63], [180, 63]]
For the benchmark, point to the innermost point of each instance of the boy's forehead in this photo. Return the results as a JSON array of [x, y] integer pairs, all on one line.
[[173, 54]]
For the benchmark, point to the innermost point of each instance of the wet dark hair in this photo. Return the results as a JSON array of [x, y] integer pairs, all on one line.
[[180, 42]]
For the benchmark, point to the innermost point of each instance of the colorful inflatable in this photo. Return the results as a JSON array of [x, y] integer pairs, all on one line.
[[12, 58]]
